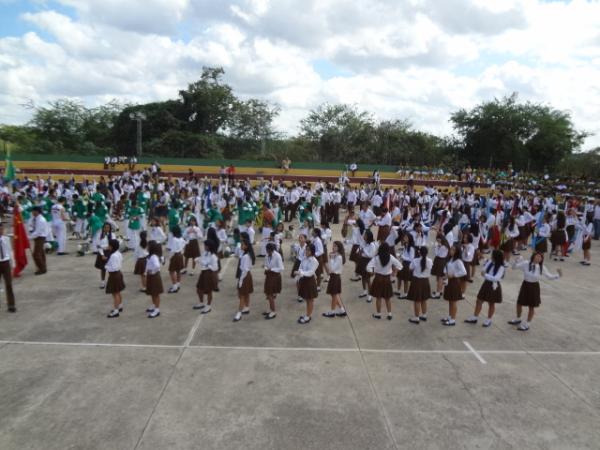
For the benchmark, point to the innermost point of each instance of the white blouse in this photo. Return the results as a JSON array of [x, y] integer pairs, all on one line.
[[140, 252], [156, 234], [176, 245], [308, 267], [193, 233], [208, 261], [408, 254], [441, 251], [318, 246], [488, 273], [535, 275], [468, 252], [153, 265], [274, 263], [115, 262], [415, 266], [335, 264], [245, 266], [455, 269], [375, 266], [369, 250]]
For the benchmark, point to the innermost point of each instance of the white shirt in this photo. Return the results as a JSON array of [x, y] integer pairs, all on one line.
[[455, 269], [415, 266], [176, 245], [115, 262], [40, 227], [318, 246], [441, 251], [535, 275], [245, 266], [193, 233], [5, 249], [208, 261], [489, 274], [368, 250], [308, 267], [153, 265], [156, 234], [468, 252], [375, 266], [335, 264], [140, 252], [274, 263]]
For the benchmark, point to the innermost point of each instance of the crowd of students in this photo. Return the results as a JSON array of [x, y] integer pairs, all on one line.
[[418, 244]]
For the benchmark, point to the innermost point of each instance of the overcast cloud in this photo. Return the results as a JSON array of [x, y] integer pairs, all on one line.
[[407, 59]]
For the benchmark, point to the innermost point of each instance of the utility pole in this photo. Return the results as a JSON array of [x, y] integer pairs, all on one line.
[[138, 117]]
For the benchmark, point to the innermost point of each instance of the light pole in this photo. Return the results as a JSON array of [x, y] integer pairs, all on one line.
[[138, 117]]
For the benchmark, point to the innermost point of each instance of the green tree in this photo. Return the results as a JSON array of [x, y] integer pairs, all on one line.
[[504, 131]]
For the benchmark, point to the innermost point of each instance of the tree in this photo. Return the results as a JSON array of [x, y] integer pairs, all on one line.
[[339, 132], [252, 119], [528, 135], [207, 103]]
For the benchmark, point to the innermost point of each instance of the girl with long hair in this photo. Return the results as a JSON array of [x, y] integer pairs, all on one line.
[[491, 290], [420, 290]]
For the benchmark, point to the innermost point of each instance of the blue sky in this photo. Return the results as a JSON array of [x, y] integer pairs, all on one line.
[[399, 59]]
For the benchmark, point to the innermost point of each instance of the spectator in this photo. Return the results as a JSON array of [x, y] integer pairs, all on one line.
[[231, 173], [597, 220], [286, 164], [353, 169]]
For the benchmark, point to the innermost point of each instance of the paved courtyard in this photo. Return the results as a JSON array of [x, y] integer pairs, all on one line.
[[73, 379]]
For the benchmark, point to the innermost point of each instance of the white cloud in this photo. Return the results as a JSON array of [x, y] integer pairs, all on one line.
[[415, 59]]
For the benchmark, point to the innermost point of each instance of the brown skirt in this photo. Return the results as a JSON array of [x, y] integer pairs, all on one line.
[[542, 246], [247, 285], [452, 291], [100, 263], [524, 232], [529, 294], [334, 286], [381, 286], [361, 269], [307, 288], [192, 249], [295, 268], [558, 237], [176, 263], [140, 266], [272, 283], [354, 253], [508, 245], [487, 293], [467, 265], [154, 284], [586, 245], [405, 274], [439, 264], [419, 289], [115, 283], [322, 259], [208, 281]]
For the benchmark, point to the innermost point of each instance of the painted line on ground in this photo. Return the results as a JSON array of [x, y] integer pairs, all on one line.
[[472, 350]]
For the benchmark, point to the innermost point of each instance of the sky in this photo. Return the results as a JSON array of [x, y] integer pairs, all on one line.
[[418, 60]]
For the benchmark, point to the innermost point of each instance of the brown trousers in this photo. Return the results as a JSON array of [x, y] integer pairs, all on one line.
[[5, 273], [39, 256]]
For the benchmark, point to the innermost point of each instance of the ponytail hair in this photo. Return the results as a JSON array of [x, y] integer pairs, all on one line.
[[423, 252], [384, 254], [143, 239], [496, 261]]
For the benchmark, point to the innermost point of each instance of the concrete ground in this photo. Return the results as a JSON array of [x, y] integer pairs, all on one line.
[[72, 379]]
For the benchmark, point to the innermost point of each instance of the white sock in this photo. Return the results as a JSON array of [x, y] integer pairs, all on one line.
[[423, 315], [246, 309], [474, 318]]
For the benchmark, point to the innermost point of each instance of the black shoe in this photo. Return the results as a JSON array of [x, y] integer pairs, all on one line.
[[329, 314], [471, 320], [375, 316], [62, 253], [40, 272], [341, 314], [389, 317], [423, 318], [414, 320], [114, 313], [12, 309], [449, 324], [246, 312]]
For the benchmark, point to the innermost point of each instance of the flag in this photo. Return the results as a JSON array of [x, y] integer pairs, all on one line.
[[20, 242], [9, 168]]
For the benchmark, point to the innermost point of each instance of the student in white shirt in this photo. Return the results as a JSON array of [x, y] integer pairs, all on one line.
[[356, 239], [272, 287], [115, 284], [587, 230], [38, 233], [59, 226], [441, 248], [307, 282], [384, 266], [176, 246], [529, 293], [141, 256], [467, 256], [454, 271], [245, 286], [368, 251], [192, 235], [101, 246], [208, 281], [420, 290], [407, 255], [337, 259], [154, 286], [6, 258], [491, 290], [156, 234]]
